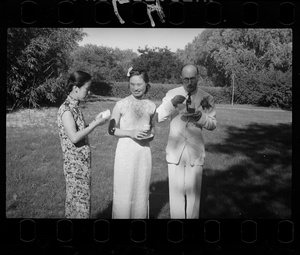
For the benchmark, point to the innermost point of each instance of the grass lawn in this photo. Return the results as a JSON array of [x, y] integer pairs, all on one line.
[[247, 172]]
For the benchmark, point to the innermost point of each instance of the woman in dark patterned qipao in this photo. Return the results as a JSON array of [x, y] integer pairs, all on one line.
[[73, 134]]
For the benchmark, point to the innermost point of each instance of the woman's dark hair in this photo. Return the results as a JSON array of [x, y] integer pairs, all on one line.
[[141, 72], [144, 74], [78, 79]]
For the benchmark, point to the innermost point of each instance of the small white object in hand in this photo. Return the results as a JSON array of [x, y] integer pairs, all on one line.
[[104, 114]]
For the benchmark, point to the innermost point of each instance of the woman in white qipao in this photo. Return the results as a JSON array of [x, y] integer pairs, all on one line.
[[132, 121]]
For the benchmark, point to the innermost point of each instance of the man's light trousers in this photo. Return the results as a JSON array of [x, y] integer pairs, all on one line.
[[185, 183]]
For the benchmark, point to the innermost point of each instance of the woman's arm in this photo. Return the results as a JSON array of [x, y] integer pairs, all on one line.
[[152, 123], [154, 119], [70, 127]]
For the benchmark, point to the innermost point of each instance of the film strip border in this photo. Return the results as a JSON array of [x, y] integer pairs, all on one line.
[[31, 236], [151, 237], [152, 13]]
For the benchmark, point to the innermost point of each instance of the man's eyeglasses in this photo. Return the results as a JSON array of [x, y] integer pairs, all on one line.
[[187, 80]]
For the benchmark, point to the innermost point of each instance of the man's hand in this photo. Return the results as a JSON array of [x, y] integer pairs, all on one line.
[[177, 100], [197, 116]]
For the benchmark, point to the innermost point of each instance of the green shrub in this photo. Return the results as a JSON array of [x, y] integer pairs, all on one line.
[[270, 89], [221, 95], [158, 91], [120, 89], [103, 88], [261, 94], [277, 96]]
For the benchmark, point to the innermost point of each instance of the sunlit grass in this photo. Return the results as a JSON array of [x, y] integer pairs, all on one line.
[[247, 171]]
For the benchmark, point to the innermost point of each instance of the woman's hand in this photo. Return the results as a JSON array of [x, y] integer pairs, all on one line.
[[99, 121], [102, 118], [138, 134]]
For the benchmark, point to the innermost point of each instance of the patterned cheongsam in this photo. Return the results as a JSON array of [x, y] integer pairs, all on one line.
[[77, 164]]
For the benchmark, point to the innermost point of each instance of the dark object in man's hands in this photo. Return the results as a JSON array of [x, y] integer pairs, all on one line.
[[198, 115], [191, 110], [204, 103]]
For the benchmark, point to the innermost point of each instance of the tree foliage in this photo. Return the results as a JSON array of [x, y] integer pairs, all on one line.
[[259, 59], [105, 64], [124, 60], [37, 61], [162, 65]]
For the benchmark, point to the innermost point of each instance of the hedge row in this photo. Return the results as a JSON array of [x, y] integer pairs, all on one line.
[[158, 91], [221, 95], [280, 96]]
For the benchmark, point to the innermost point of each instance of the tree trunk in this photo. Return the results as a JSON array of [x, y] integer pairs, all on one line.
[[232, 76]]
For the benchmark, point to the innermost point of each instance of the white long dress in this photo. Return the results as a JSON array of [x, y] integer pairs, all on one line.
[[133, 162]]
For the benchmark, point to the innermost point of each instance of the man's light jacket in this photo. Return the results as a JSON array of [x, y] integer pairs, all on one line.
[[185, 131]]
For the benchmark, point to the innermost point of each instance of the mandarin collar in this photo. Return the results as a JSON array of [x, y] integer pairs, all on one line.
[[138, 99], [72, 100]]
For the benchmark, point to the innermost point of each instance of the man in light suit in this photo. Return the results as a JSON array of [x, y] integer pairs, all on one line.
[[185, 150]]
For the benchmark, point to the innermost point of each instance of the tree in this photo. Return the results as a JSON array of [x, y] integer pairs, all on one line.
[[37, 61], [105, 64], [124, 60], [252, 56], [258, 54], [161, 64], [193, 53]]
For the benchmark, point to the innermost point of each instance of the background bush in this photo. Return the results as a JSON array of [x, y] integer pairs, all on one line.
[[102, 88], [220, 94], [158, 91]]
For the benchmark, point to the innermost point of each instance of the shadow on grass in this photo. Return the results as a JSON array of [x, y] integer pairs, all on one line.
[[106, 213], [259, 184], [159, 196]]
